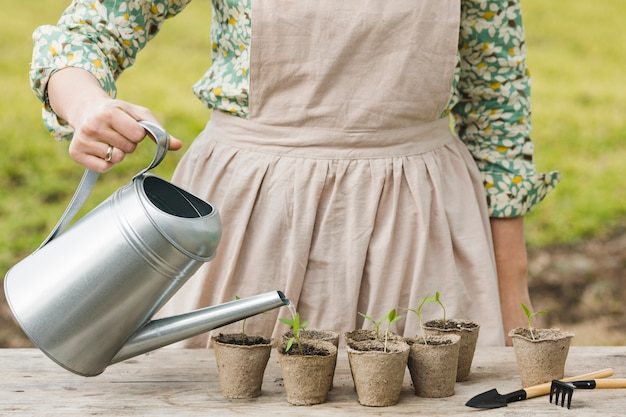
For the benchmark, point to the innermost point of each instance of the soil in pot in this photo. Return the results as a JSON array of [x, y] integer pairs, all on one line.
[[378, 375], [361, 335], [468, 331], [307, 370], [316, 334], [542, 359], [433, 365], [241, 362]]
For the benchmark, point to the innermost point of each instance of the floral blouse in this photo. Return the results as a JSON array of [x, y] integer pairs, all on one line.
[[489, 100]]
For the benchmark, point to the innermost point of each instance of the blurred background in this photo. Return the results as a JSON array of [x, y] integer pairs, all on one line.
[[576, 237]]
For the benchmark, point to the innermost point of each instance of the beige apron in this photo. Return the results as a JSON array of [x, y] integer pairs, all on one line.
[[344, 188]]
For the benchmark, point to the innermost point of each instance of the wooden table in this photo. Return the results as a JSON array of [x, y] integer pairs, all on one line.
[[183, 382]]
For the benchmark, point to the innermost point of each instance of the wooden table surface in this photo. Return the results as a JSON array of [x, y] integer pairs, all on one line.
[[183, 382]]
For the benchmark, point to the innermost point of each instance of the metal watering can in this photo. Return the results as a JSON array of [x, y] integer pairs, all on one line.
[[86, 296]]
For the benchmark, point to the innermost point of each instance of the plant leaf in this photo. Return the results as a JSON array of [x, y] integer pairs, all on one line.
[[288, 322], [289, 343], [527, 311], [391, 316], [366, 317]]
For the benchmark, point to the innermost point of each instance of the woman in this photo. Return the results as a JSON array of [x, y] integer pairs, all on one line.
[[329, 152]]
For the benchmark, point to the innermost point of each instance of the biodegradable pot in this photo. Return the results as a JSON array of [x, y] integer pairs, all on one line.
[[241, 362], [316, 334], [307, 377], [433, 366], [468, 331], [543, 359], [378, 375]]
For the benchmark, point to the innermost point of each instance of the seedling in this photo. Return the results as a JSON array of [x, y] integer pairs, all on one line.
[[376, 323], [296, 327], [530, 315], [392, 317], [437, 299], [418, 313]]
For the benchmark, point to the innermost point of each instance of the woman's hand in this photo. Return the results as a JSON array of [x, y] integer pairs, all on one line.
[[105, 129], [512, 266]]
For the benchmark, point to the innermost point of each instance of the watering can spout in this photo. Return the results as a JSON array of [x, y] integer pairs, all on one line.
[[162, 332]]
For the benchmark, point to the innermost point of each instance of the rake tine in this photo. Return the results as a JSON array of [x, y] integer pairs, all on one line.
[[569, 399], [560, 390], [556, 395]]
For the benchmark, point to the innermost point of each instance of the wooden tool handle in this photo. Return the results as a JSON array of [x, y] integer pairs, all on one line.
[[544, 389], [611, 383]]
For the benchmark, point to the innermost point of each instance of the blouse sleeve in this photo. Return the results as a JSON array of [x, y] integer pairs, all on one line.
[[491, 106], [100, 36]]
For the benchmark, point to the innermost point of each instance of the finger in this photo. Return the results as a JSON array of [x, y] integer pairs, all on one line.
[[116, 155], [126, 125], [137, 112], [110, 125], [143, 113], [106, 137], [175, 144], [100, 150], [92, 162]]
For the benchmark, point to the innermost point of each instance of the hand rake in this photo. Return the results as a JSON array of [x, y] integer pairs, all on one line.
[[564, 390]]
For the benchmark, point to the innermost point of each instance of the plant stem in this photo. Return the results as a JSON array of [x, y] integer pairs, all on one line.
[[386, 337], [419, 317], [444, 314], [531, 332]]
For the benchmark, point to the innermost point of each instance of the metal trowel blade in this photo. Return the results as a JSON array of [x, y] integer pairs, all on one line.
[[488, 399]]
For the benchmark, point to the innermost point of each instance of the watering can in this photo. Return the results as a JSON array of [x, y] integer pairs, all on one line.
[[85, 297]]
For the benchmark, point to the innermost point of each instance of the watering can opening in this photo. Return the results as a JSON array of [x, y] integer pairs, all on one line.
[[173, 200]]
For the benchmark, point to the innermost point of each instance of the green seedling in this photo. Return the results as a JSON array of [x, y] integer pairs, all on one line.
[[418, 313], [296, 327], [437, 299], [392, 317], [530, 315], [376, 323]]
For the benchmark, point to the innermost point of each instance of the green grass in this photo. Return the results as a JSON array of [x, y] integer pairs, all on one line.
[[576, 56], [577, 59]]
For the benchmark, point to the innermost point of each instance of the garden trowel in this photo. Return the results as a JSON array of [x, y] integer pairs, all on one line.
[[493, 399]]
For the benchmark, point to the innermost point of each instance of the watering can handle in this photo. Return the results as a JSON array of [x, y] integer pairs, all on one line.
[[87, 182]]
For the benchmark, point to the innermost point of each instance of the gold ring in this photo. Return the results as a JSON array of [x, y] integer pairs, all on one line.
[[109, 154]]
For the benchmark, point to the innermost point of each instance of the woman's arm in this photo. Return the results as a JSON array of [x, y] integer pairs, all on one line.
[[74, 68], [512, 266], [491, 108]]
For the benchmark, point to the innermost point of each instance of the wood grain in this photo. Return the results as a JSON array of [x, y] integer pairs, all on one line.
[[183, 382]]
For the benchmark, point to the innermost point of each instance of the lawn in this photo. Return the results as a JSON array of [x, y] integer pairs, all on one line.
[[576, 56]]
